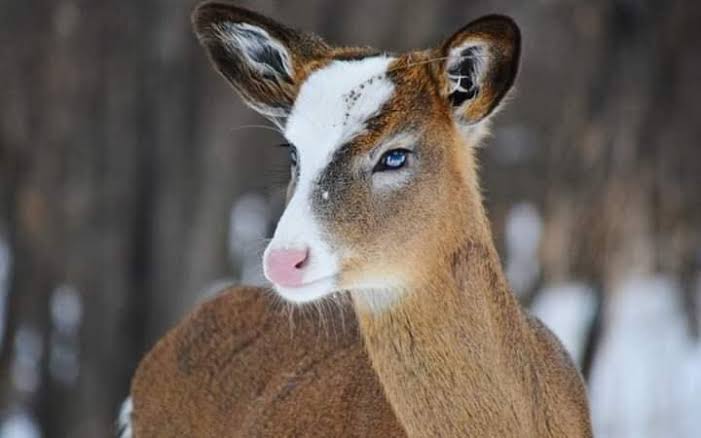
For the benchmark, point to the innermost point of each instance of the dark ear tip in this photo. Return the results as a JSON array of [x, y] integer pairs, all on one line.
[[500, 26], [495, 27], [211, 12], [204, 15]]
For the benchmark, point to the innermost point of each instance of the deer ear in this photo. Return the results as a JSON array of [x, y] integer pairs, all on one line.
[[263, 60], [481, 62]]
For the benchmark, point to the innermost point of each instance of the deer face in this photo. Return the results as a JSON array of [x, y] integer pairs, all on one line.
[[380, 144]]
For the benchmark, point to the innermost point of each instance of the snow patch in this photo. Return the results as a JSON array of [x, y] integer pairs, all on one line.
[[19, 425], [64, 362], [28, 350], [524, 227], [124, 426], [66, 316], [646, 379], [66, 309], [568, 310]]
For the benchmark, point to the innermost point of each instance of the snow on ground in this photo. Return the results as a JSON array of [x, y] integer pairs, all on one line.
[[568, 310], [64, 348], [646, 377], [28, 351], [523, 230], [124, 419], [19, 425]]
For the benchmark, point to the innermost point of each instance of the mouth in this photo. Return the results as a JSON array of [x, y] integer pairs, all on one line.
[[309, 291]]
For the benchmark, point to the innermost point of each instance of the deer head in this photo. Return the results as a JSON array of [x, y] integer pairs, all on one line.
[[383, 182]]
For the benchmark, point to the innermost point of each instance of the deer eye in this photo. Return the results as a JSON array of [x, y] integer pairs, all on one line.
[[392, 160]]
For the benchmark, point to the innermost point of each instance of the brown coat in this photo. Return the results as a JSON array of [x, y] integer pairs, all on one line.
[[241, 366], [450, 351]]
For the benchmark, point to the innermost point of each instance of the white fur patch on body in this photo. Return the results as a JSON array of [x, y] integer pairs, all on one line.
[[332, 107], [124, 429]]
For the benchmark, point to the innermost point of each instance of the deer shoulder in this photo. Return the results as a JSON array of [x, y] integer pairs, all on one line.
[[241, 365]]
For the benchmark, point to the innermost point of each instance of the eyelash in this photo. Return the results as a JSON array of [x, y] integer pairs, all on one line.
[[381, 166]]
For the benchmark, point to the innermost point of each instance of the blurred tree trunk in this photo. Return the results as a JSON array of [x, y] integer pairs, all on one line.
[[624, 169], [106, 190]]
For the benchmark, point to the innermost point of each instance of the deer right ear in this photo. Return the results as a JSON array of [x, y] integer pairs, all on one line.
[[263, 60], [480, 65]]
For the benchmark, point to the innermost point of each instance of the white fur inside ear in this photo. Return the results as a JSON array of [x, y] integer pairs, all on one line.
[[262, 53], [466, 67]]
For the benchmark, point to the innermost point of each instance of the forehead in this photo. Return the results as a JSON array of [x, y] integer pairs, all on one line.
[[335, 102]]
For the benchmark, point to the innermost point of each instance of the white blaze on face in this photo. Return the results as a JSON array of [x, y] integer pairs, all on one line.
[[332, 107]]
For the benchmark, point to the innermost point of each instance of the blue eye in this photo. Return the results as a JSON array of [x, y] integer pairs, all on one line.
[[392, 160]]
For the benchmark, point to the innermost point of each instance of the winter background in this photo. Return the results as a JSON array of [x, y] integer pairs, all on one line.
[[133, 183]]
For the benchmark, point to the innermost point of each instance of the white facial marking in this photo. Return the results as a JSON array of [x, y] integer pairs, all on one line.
[[332, 107]]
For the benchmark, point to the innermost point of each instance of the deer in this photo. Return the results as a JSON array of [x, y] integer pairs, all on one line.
[[384, 216]]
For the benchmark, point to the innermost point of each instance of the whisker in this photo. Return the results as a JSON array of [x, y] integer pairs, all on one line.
[[269, 128], [409, 65], [417, 63]]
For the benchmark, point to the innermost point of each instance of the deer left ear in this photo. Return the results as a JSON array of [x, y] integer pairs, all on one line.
[[481, 63], [262, 59]]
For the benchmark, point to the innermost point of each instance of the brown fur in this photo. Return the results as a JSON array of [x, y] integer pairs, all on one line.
[[240, 366], [454, 352]]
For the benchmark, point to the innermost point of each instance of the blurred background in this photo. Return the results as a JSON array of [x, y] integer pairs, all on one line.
[[133, 183]]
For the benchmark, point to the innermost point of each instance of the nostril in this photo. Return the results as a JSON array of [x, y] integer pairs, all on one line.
[[303, 260], [286, 266]]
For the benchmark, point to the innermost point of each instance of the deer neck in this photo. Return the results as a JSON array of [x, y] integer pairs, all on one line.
[[451, 352]]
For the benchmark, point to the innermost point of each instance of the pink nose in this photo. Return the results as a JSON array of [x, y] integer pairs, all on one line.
[[285, 267]]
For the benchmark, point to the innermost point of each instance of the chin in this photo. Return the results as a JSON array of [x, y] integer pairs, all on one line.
[[309, 292]]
